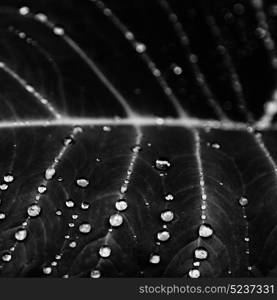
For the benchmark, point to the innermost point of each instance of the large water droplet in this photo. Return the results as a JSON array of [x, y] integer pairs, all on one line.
[[3, 187], [140, 47], [205, 230], [105, 251], [34, 210], [82, 182], [154, 259], [243, 201], [194, 273], [49, 173], [95, 274], [85, 205], [167, 216], [121, 205], [116, 220], [6, 257], [47, 270], [200, 253], [69, 203], [2, 216], [8, 178], [24, 10], [21, 234], [162, 164], [58, 30], [163, 235], [85, 228]]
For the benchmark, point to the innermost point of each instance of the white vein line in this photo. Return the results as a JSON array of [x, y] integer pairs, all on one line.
[[91, 64], [136, 121], [227, 59], [185, 43], [31, 90], [270, 107], [45, 182], [145, 57], [198, 157]]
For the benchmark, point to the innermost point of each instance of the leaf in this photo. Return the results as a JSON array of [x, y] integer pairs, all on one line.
[[137, 139]]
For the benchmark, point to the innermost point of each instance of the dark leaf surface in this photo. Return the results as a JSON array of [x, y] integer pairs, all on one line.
[[137, 138]]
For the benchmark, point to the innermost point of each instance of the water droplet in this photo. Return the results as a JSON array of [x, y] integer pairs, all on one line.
[[140, 47], [136, 148], [121, 205], [58, 213], [69, 203], [155, 259], [194, 273], [8, 178], [72, 244], [205, 230], [162, 164], [74, 217], [116, 220], [167, 216], [201, 253], [163, 236], [58, 256], [95, 274], [82, 182], [2, 216], [34, 210], [105, 251], [129, 35], [243, 201], [247, 239], [177, 70], [6, 257], [3, 187], [85, 228], [85, 205], [21, 234], [41, 17], [47, 270], [42, 189], [169, 197], [107, 128], [49, 173], [24, 10], [58, 30]]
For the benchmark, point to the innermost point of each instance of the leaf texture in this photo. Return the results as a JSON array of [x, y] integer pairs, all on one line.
[[138, 138]]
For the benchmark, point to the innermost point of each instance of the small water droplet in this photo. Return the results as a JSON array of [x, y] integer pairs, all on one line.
[[107, 128], [247, 239], [34, 210], [194, 273], [69, 203], [167, 216], [140, 47], [68, 140], [169, 197], [72, 244], [82, 182], [41, 17], [154, 259], [162, 164], [95, 274], [58, 212], [129, 35], [105, 251], [6, 257], [85, 228], [8, 178], [24, 10], [243, 201], [85, 205], [3, 187], [136, 148], [205, 230], [49, 173], [47, 270], [163, 235], [177, 70], [121, 205], [21, 234], [116, 220], [42, 189], [2, 216], [201, 253], [58, 30], [58, 256]]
